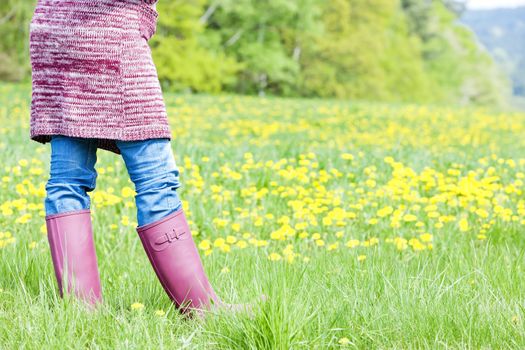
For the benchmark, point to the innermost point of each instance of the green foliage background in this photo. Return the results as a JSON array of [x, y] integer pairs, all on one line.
[[387, 50]]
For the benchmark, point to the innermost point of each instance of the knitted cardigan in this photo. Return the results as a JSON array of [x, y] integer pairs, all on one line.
[[92, 72]]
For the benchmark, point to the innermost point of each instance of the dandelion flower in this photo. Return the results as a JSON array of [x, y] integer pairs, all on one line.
[[352, 243], [205, 244], [274, 256], [344, 341], [160, 313], [241, 244], [137, 306], [127, 192], [425, 237], [463, 225]]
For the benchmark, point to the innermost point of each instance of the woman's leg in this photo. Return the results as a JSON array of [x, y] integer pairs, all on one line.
[[163, 228], [72, 174], [68, 217], [151, 167]]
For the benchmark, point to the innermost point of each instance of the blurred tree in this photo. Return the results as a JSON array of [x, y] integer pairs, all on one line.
[[390, 50], [366, 52], [15, 16], [268, 37], [184, 59]]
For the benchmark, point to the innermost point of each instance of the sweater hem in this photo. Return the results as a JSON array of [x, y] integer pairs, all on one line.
[[106, 138]]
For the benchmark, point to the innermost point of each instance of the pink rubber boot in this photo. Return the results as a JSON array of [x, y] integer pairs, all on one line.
[[73, 252], [172, 252]]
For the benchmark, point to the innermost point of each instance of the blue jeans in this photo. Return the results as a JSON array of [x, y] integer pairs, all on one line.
[[150, 165]]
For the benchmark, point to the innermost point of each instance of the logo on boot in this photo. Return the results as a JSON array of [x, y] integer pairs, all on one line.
[[166, 239]]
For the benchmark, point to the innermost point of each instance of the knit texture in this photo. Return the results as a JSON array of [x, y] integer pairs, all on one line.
[[93, 75]]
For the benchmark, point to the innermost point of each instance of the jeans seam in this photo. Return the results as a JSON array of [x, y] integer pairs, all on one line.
[[168, 199], [89, 161]]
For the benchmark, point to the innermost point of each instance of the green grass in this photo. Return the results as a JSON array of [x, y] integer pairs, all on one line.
[[466, 291]]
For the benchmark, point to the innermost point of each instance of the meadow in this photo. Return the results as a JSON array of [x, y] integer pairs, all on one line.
[[366, 225]]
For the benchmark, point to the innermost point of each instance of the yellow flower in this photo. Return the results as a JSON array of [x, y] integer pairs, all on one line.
[[274, 256], [344, 341], [220, 223], [137, 306], [416, 244], [401, 243], [127, 192], [463, 225], [374, 241], [277, 235], [433, 214], [385, 211], [241, 244], [333, 246], [160, 313], [219, 242], [425, 237], [373, 221], [482, 213], [125, 220], [23, 219], [352, 243], [301, 225], [361, 257], [409, 218], [205, 244], [388, 160]]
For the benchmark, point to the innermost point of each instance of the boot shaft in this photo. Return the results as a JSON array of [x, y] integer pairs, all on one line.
[[175, 259], [70, 237]]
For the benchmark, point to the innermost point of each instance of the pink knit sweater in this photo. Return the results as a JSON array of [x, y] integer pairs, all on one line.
[[92, 72]]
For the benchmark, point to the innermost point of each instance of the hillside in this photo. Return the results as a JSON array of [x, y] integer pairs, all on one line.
[[502, 32]]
